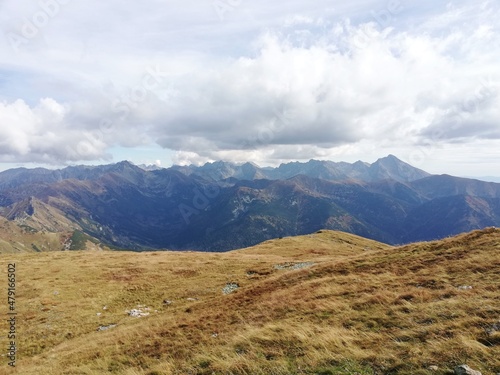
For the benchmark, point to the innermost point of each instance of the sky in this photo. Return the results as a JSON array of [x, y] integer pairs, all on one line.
[[192, 81]]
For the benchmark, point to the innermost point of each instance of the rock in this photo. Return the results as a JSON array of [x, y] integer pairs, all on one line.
[[465, 370], [136, 313], [167, 302], [230, 288], [465, 287], [433, 368], [104, 328]]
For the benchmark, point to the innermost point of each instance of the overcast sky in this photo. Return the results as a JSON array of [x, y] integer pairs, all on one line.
[[91, 82]]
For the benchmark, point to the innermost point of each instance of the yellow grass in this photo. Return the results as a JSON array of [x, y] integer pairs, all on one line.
[[361, 308]]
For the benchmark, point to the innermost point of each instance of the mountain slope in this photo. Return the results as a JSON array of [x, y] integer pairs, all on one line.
[[18, 238], [440, 186], [326, 303], [451, 215], [203, 209]]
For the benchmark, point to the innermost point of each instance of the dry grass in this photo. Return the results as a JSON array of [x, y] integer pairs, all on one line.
[[362, 308]]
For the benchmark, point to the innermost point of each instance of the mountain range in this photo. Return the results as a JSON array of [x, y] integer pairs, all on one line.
[[222, 206]]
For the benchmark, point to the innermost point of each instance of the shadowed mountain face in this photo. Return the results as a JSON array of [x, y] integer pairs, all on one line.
[[223, 206]]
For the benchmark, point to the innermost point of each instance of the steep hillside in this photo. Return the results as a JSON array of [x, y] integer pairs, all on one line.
[[451, 215], [38, 215], [23, 236], [326, 303]]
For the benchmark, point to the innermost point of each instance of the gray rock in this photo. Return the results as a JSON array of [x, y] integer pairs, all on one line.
[[104, 328], [433, 368], [136, 313], [230, 288], [465, 370]]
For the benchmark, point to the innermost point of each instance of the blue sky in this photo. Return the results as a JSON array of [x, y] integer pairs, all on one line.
[[269, 82]]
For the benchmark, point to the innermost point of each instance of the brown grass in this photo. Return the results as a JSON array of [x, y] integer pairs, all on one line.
[[362, 308]]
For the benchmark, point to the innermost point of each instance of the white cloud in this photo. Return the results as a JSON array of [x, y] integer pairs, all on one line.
[[396, 86], [42, 134], [270, 82]]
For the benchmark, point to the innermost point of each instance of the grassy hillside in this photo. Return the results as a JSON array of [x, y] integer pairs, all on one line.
[[18, 237], [15, 238], [327, 303]]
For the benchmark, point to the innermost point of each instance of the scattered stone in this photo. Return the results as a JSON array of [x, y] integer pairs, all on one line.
[[167, 302], [230, 288], [433, 368], [104, 328], [191, 299], [465, 370], [293, 266], [215, 335], [136, 313], [105, 308], [98, 314], [465, 287]]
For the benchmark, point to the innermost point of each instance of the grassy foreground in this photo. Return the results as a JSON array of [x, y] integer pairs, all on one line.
[[350, 306]]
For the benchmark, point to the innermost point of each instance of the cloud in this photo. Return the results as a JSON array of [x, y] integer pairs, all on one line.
[[42, 134], [348, 85], [270, 82]]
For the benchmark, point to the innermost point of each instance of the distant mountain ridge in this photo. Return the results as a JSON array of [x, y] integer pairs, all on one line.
[[389, 167], [222, 206]]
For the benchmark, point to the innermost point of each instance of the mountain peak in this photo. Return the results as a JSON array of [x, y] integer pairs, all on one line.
[[250, 163], [390, 158], [391, 167]]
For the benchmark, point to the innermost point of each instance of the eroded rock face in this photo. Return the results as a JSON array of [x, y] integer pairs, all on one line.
[[465, 370]]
